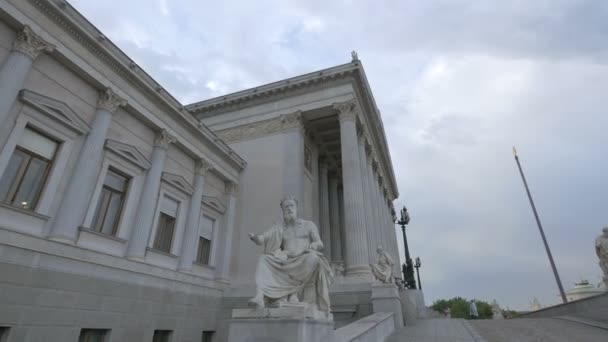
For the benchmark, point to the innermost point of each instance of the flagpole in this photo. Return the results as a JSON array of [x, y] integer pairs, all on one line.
[[540, 228]]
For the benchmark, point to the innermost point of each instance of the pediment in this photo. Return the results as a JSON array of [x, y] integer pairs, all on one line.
[[128, 152], [54, 109], [178, 181], [214, 203]]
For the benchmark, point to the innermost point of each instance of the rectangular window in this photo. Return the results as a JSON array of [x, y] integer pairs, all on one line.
[[27, 170], [110, 203], [206, 225], [162, 336], [92, 335], [166, 225], [207, 336], [4, 334]]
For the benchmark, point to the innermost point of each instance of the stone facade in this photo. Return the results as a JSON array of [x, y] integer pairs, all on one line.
[[175, 255]]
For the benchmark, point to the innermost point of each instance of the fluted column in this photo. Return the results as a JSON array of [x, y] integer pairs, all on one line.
[[354, 209], [380, 201], [230, 190], [369, 217], [371, 183], [334, 211], [84, 174], [324, 220], [13, 72], [144, 216], [190, 237]]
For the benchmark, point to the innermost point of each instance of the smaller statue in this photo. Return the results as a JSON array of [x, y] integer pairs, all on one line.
[[496, 311], [383, 268], [354, 56], [338, 268], [601, 248]]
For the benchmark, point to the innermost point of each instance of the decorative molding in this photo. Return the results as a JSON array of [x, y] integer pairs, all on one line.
[[261, 128], [31, 44], [346, 110], [54, 109], [214, 203], [230, 188], [178, 181], [202, 167], [163, 139], [109, 100], [129, 153]]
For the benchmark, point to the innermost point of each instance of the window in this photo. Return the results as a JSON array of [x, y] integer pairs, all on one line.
[[166, 225], [161, 336], [110, 203], [27, 170], [204, 241], [4, 334], [92, 335], [207, 336]]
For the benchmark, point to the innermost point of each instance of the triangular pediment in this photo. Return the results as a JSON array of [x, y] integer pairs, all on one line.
[[56, 110], [214, 203], [179, 182], [129, 153]]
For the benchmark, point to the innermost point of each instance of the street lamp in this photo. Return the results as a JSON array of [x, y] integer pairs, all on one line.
[[408, 269], [417, 265]]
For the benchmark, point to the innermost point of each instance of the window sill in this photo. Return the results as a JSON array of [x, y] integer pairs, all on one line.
[[110, 237], [161, 253], [25, 211], [204, 265]]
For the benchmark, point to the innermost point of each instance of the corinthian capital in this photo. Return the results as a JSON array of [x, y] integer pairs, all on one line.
[[109, 101], [163, 139], [346, 110], [293, 120], [31, 44], [202, 167]]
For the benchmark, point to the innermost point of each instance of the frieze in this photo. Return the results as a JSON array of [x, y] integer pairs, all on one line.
[[262, 128]]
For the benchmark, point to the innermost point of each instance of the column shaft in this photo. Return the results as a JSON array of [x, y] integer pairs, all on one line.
[[354, 209], [13, 72], [334, 210], [144, 216], [77, 195], [190, 238], [228, 232], [324, 220], [369, 219]]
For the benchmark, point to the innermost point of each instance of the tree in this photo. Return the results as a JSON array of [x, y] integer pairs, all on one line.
[[459, 307]]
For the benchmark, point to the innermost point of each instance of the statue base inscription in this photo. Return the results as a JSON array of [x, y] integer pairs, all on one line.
[[288, 322]]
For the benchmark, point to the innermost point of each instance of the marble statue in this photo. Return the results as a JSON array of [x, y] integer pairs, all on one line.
[[383, 268], [601, 248], [496, 311], [292, 268]]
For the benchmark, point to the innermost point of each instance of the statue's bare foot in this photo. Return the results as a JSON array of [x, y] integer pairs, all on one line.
[[293, 298], [256, 302]]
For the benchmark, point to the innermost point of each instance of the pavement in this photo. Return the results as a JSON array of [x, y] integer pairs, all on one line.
[[557, 329]]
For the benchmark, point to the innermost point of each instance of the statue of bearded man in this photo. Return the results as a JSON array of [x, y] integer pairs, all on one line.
[[292, 268], [601, 248]]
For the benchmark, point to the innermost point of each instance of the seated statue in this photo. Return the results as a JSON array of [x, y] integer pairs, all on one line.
[[383, 268], [292, 268]]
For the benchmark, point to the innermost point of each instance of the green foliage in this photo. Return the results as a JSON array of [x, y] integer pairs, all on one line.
[[459, 307], [509, 313]]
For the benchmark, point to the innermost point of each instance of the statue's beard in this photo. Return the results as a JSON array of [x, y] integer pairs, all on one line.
[[290, 217]]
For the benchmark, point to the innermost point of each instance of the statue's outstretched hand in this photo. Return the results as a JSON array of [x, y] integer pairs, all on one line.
[[252, 237]]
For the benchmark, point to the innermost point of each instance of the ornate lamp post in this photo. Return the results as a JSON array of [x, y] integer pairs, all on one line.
[[408, 269], [417, 265]]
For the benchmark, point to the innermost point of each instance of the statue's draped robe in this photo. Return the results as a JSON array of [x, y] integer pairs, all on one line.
[[278, 276], [383, 269]]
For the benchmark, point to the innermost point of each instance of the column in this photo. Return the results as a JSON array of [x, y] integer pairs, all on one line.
[[13, 72], [230, 189], [324, 220], [144, 216], [342, 228], [375, 237], [190, 238], [334, 213], [381, 218], [357, 256], [369, 217], [77, 195]]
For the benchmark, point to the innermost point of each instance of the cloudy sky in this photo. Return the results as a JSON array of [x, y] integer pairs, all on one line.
[[458, 83]]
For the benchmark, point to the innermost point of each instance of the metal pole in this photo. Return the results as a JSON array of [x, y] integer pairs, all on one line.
[[407, 250], [418, 276], [540, 228]]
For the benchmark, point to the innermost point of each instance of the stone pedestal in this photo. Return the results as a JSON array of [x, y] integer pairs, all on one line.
[[286, 323], [385, 298]]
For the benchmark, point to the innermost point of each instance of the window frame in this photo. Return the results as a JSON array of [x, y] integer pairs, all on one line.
[[168, 189], [123, 199], [104, 337]]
